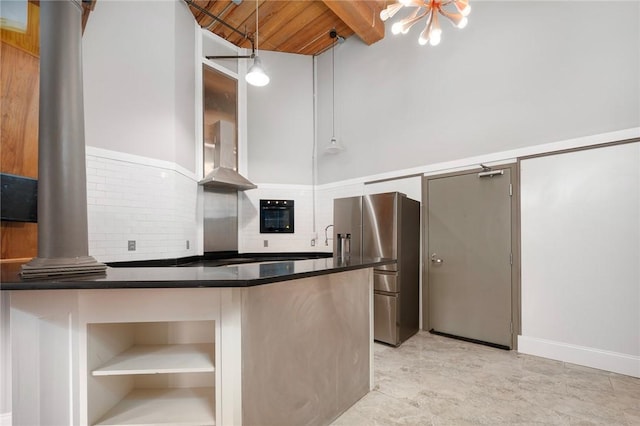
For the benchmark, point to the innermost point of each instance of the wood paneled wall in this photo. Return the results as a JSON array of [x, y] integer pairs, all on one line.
[[20, 76]]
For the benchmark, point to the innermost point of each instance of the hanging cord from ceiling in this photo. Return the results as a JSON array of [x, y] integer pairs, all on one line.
[[337, 39], [232, 28], [334, 147], [333, 34], [256, 34]]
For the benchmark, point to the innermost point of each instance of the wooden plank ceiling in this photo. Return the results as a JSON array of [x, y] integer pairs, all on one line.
[[292, 26]]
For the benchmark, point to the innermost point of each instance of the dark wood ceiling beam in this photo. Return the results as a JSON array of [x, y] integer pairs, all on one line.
[[363, 17]]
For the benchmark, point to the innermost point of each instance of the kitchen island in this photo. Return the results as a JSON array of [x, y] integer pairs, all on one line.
[[265, 343]]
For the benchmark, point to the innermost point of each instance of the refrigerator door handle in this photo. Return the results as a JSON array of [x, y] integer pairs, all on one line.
[[387, 282]]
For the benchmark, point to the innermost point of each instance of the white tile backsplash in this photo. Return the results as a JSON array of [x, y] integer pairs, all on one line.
[[250, 238], [132, 198], [156, 204]]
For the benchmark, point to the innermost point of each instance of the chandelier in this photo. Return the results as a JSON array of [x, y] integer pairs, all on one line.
[[455, 11]]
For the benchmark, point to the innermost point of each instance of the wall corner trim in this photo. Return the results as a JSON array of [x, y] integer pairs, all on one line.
[[137, 159]]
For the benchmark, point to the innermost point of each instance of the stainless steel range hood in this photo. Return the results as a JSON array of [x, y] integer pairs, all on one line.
[[224, 178], [220, 160]]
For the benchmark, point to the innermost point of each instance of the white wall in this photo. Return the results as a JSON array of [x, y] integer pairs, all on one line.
[[280, 117], [152, 202], [581, 257], [139, 70], [140, 105], [280, 156], [184, 88], [520, 74], [250, 240]]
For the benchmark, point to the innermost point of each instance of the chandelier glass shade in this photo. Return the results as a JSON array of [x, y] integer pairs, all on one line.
[[455, 11]]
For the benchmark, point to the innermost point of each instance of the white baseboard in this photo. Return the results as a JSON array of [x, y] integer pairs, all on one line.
[[5, 419], [581, 355]]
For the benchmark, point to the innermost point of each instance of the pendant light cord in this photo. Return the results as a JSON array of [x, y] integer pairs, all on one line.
[[257, 27], [333, 94]]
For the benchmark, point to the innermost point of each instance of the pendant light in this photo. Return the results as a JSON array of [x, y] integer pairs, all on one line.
[[256, 76], [334, 147]]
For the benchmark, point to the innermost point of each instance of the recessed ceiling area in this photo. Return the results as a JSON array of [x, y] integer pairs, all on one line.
[[296, 26]]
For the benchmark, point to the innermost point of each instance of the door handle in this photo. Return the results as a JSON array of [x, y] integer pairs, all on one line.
[[435, 259]]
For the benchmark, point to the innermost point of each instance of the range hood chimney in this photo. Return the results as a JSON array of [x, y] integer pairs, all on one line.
[[222, 154]]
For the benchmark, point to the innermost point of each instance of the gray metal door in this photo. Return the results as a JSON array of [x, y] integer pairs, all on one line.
[[469, 256]]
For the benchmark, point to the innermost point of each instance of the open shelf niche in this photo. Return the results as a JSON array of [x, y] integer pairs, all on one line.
[[151, 373]]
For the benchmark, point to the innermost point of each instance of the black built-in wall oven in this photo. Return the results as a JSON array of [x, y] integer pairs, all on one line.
[[276, 216]]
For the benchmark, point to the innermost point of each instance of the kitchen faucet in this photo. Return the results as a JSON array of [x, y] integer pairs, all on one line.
[[326, 238]]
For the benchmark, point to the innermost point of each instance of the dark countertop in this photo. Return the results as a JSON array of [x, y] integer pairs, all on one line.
[[240, 275]]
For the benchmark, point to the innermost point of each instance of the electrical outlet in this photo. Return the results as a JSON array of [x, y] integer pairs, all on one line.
[[132, 245], [266, 243], [313, 242], [187, 244]]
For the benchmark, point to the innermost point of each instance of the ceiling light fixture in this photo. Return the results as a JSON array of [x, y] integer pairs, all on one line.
[[256, 75], [334, 147], [457, 13]]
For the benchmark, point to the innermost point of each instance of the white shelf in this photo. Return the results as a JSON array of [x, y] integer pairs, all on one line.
[[151, 407], [160, 359]]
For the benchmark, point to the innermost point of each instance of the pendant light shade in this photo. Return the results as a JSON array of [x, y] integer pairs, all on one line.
[[256, 75], [334, 147]]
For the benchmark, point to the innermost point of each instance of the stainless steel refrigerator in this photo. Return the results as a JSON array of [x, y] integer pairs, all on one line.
[[386, 225]]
